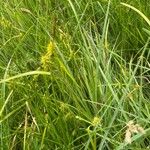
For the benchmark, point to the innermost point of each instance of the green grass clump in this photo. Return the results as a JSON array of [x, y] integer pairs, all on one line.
[[74, 75]]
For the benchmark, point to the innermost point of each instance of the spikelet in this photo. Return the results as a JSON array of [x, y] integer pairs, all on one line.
[[131, 129], [46, 59]]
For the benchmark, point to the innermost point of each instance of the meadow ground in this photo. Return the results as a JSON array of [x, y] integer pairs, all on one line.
[[74, 75]]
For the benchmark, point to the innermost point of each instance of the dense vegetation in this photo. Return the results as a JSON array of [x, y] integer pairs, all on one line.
[[75, 74]]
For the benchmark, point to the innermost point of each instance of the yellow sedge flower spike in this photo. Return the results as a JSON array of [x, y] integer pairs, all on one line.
[[46, 59], [96, 121], [50, 48]]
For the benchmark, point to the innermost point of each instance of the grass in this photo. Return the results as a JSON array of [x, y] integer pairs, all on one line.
[[73, 75]]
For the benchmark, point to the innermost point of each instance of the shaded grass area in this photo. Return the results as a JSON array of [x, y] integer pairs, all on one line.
[[73, 74]]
